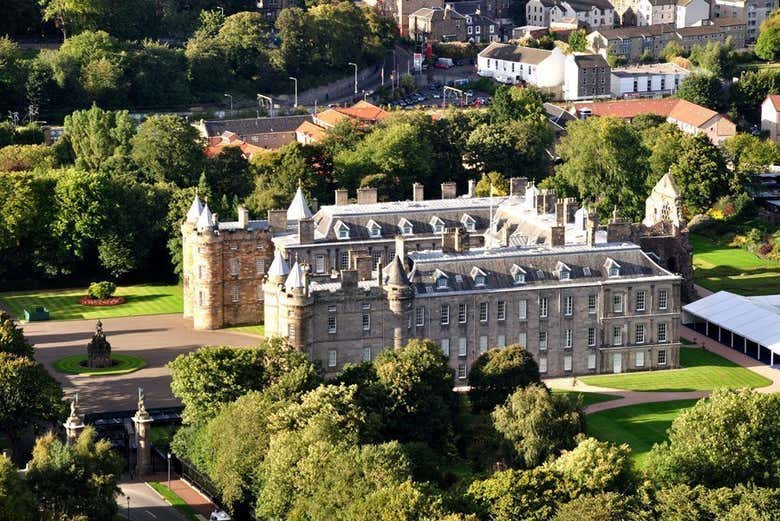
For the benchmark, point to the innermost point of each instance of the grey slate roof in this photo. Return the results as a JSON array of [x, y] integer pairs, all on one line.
[[249, 126], [394, 273], [515, 53], [590, 60], [585, 5]]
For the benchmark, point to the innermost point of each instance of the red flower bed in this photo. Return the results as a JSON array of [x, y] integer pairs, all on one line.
[[110, 301]]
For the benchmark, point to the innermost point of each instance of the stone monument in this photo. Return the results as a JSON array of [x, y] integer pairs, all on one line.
[[98, 349], [143, 437], [73, 425]]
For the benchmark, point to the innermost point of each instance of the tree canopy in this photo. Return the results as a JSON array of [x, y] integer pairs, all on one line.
[[498, 372]]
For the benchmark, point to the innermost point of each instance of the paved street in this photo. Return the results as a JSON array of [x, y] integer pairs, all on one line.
[[145, 504], [157, 339]]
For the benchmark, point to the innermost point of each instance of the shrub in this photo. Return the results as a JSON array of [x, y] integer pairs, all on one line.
[[101, 290], [765, 249]]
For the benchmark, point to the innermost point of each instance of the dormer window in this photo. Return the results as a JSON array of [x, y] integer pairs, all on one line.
[[437, 225], [564, 272], [540, 274], [479, 277], [586, 271], [518, 274], [406, 227], [613, 268], [468, 222], [374, 230], [342, 231], [442, 280]]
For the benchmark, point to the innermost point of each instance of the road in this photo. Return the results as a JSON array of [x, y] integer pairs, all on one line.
[[158, 339], [145, 504]]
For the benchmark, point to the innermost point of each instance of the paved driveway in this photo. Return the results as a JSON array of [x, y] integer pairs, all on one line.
[[145, 504], [157, 339]]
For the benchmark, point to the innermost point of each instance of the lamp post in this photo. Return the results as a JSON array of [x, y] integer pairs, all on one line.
[[128, 508], [355, 66], [231, 102], [169, 470], [295, 81]]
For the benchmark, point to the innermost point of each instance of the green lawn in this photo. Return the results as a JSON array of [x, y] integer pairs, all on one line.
[[638, 425], [175, 501], [701, 371], [143, 299], [587, 398], [258, 329], [719, 267], [124, 364]]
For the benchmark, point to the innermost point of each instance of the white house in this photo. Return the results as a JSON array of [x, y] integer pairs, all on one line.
[[655, 12], [646, 80], [514, 64], [770, 117], [692, 13], [594, 13]]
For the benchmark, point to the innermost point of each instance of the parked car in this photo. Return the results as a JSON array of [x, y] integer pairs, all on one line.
[[220, 515], [444, 63]]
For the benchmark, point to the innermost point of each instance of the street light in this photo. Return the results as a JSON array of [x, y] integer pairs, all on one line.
[[169, 470], [355, 66], [231, 102], [128, 508], [221, 10], [295, 80]]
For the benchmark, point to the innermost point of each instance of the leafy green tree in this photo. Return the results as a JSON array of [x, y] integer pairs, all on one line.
[[70, 16], [242, 39], [211, 377], [603, 161], [751, 90], [419, 384], [724, 440], [298, 45], [595, 466], [497, 373], [158, 74], [644, 122], [716, 58], [31, 397], [672, 50], [701, 173], [228, 174], [538, 424], [12, 339], [578, 41], [516, 494], [16, 500], [750, 154], [492, 184], [167, 148], [746, 503], [99, 136], [703, 90], [665, 144], [76, 480], [12, 75], [768, 43], [512, 103], [606, 506]]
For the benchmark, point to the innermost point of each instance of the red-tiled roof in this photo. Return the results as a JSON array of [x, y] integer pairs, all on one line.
[[248, 150], [775, 99], [315, 132], [678, 109]]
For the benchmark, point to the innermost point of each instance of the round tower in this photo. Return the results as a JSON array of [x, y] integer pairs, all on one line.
[[399, 299], [208, 269], [189, 250], [299, 305]]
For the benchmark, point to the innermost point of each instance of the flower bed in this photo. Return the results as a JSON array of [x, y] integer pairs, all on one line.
[[110, 301]]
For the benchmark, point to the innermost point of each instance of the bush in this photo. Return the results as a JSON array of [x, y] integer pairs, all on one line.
[[765, 249], [101, 290]]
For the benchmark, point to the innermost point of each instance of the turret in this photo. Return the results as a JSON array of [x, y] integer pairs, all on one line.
[[298, 306], [277, 273], [299, 208], [399, 298], [189, 252]]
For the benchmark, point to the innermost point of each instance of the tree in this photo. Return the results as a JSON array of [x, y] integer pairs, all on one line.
[[751, 90], [538, 424], [603, 161], [514, 103], [242, 40], [516, 494], [716, 58], [672, 50], [211, 377], [703, 90], [665, 144], [298, 46], [167, 148], [158, 74], [16, 500], [497, 373], [768, 42], [228, 175], [605, 506], [12, 75], [31, 397], [418, 383], [513, 148], [746, 503], [76, 480], [70, 16], [17, 158], [594, 467], [724, 440], [99, 137], [578, 41], [701, 173], [12, 339], [750, 154]]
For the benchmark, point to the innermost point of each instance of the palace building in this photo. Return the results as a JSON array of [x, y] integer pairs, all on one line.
[[470, 273]]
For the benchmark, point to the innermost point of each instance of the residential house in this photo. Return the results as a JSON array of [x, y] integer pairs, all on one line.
[[692, 13], [752, 12], [594, 13], [437, 24], [480, 28], [719, 31], [514, 64], [654, 12], [404, 8], [361, 113], [689, 117], [268, 133], [654, 79], [770, 117], [231, 139], [586, 76]]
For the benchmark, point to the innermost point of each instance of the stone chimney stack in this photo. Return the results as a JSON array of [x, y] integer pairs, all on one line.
[[618, 230], [243, 217], [366, 195], [454, 240], [560, 213], [342, 197], [449, 190], [557, 236], [591, 227], [400, 247], [277, 219], [461, 240], [418, 192], [362, 265], [549, 200], [517, 186], [472, 188], [571, 207], [306, 230], [349, 279]]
